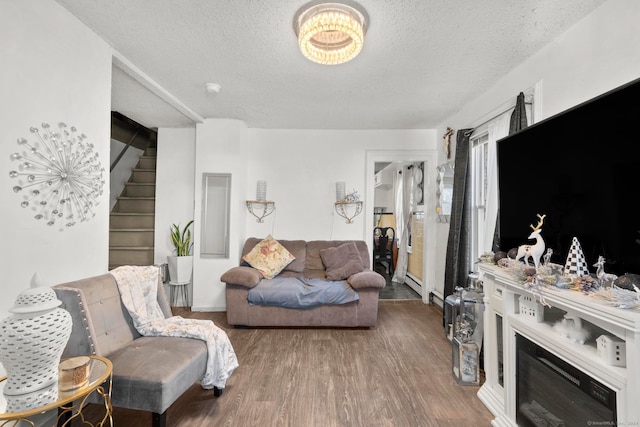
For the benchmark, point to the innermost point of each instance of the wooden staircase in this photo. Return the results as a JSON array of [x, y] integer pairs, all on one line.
[[131, 223]]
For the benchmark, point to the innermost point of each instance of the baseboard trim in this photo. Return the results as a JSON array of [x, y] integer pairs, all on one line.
[[436, 298], [215, 309]]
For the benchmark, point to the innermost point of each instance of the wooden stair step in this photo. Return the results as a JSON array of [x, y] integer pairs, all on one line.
[[135, 204], [131, 237], [143, 175], [135, 255], [146, 163], [132, 248], [139, 189], [131, 220]]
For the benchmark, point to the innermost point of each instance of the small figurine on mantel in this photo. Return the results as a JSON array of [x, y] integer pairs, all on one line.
[[603, 277], [570, 326], [536, 250], [576, 265]]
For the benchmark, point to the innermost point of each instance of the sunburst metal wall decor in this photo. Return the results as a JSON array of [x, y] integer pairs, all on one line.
[[59, 175]]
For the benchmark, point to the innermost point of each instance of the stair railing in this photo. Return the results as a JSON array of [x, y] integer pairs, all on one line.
[[124, 150]]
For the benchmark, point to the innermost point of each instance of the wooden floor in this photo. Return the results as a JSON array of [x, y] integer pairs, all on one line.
[[398, 374]]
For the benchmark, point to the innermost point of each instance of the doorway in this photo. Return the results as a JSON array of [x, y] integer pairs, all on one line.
[[388, 231], [423, 248]]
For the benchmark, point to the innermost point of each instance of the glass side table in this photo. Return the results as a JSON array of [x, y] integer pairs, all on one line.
[[69, 404]]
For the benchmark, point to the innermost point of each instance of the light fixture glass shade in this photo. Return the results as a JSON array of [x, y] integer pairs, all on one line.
[[330, 33]]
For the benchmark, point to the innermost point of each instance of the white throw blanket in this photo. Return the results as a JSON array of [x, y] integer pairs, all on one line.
[[138, 287]]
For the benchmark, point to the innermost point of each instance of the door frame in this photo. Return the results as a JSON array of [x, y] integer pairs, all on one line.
[[429, 157]]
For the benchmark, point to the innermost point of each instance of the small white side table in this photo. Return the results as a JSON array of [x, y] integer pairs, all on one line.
[[178, 289]]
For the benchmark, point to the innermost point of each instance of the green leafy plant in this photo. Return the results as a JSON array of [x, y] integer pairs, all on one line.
[[182, 239]]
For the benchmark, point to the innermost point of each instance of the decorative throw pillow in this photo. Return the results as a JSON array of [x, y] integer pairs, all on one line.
[[341, 261], [268, 257]]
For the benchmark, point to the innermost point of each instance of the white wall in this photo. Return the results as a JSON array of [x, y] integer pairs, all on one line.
[[53, 69], [384, 194], [221, 147], [175, 186], [301, 168], [597, 54]]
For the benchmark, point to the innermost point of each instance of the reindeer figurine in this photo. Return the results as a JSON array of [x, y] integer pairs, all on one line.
[[600, 274], [534, 251]]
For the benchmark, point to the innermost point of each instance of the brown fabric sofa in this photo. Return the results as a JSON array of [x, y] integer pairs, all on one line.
[[307, 263]]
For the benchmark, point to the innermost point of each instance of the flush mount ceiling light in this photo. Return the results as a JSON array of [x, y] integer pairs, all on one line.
[[330, 33]]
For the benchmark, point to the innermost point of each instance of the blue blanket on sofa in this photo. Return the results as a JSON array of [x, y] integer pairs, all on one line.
[[300, 292]]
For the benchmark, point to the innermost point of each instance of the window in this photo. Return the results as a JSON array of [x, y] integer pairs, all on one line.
[[480, 185], [483, 170]]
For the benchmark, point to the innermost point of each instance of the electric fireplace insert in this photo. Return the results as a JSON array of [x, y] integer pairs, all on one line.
[[552, 392]]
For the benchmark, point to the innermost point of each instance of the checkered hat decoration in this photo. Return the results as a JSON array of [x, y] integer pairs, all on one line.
[[576, 264]]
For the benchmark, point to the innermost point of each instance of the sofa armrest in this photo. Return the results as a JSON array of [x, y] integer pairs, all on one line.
[[367, 279], [244, 276]]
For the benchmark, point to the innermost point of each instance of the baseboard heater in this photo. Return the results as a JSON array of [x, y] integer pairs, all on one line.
[[413, 283]]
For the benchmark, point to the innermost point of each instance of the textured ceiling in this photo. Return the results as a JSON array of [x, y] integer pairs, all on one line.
[[421, 59]]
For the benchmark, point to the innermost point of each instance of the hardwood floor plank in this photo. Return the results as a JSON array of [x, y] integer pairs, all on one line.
[[398, 374]]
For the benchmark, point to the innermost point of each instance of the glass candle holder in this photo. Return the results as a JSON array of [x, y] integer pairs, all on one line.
[[261, 191], [340, 191]]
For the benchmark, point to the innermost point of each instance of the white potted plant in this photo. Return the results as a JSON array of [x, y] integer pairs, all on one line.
[[181, 264]]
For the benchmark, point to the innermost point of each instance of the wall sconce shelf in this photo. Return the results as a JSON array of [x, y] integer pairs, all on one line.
[[260, 208], [344, 207]]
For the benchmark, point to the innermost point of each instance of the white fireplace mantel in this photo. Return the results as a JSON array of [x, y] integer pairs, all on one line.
[[501, 297]]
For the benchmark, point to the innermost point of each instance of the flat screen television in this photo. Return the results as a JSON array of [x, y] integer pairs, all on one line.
[[581, 168]]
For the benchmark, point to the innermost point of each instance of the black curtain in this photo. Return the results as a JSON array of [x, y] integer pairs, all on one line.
[[518, 116], [518, 122], [459, 242]]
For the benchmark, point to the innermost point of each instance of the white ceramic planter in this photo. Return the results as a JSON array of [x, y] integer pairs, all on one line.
[[180, 269]]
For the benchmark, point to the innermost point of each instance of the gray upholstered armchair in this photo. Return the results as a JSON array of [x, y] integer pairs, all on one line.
[[149, 373]]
